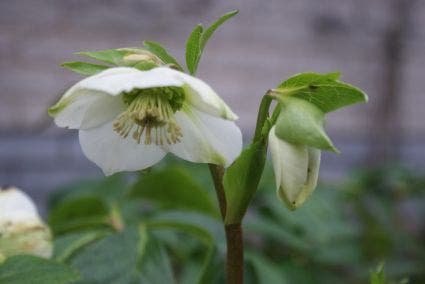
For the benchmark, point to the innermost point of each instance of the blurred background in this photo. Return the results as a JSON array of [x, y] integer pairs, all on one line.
[[378, 45]]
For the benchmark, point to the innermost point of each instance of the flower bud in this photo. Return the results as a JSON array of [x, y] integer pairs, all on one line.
[[136, 56], [21, 229], [296, 169]]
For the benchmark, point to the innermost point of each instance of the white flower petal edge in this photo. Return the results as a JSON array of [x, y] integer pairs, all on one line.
[[21, 228], [113, 153], [296, 169], [206, 139], [16, 206]]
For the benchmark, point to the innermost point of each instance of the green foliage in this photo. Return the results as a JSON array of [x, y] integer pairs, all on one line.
[[174, 188], [193, 49], [378, 276], [301, 122], [323, 90], [198, 39], [241, 180], [109, 56], [157, 49], [27, 269], [110, 260], [84, 68]]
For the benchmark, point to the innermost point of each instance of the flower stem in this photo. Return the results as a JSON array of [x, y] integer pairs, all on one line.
[[234, 267], [234, 236], [263, 114]]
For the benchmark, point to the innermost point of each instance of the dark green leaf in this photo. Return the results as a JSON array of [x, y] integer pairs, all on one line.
[[26, 269], [84, 68], [65, 246], [157, 49], [193, 49], [211, 29], [265, 271], [241, 180], [79, 213], [155, 265], [301, 122], [110, 260], [174, 187], [322, 90], [203, 227]]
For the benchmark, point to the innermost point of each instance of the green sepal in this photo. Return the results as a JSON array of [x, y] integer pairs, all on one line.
[[301, 122], [157, 49], [84, 68], [323, 90], [145, 65], [110, 56], [241, 180], [193, 49]]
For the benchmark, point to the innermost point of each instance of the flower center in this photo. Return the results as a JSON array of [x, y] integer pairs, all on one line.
[[151, 112]]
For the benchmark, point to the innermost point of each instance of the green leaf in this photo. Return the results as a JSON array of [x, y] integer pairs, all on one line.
[[322, 90], [157, 49], [174, 187], [203, 227], [301, 122], [110, 56], [84, 68], [155, 265], [198, 39], [79, 213], [193, 49], [378, 276], [26, 269], [241, 180], [145, 65], [67, 245], [110, 260], [211, 29], [265, 270]]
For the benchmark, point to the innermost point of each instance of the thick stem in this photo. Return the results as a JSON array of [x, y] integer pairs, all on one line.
[[234, 238], [234, 267], [263, 113]]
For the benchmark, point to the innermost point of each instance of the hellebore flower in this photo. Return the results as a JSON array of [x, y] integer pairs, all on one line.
[[296, 169], [21, 229], [129, 119]]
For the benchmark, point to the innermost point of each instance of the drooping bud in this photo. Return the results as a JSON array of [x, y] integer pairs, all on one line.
[[296, 169], [21, 229]]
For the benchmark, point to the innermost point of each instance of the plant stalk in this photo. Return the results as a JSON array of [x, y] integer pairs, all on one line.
[[234, 236]]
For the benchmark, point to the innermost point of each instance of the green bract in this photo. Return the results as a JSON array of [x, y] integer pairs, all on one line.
[[298, 134]]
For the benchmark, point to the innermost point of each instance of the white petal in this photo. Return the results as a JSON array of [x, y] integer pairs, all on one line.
[[113, 153], [70, 110], [16, 206], [206, 139], [102, 110], [203, 97], [114, 81], [296, 169]]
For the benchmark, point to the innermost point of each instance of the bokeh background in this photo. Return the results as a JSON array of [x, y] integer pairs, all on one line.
[[370, 206], [378, 45]]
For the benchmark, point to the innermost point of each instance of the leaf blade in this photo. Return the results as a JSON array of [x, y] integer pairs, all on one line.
[[157, 49], [213, 27], [193, 49], [84, 68]]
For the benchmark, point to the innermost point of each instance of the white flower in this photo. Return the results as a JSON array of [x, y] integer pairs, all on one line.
[[21, 228], [129, 119], [296, 169]]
